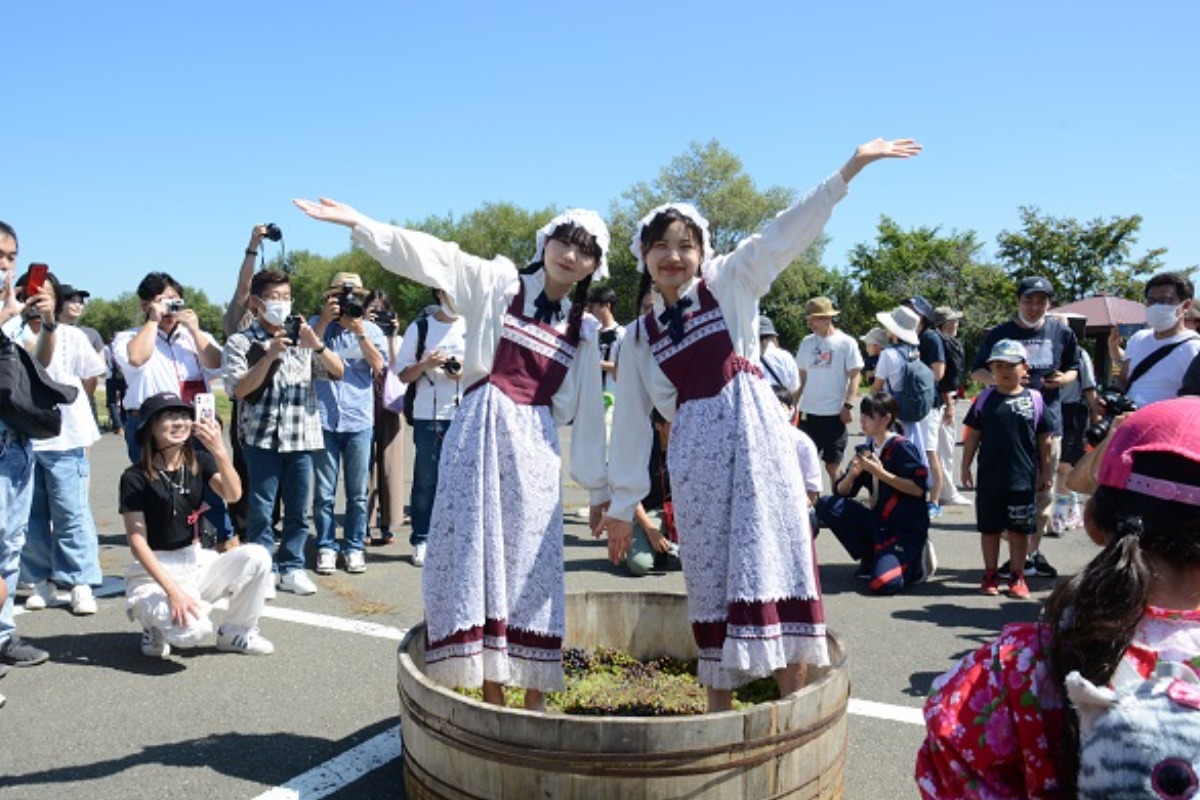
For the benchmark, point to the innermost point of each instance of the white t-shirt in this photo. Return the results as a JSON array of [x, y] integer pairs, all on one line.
[[825, 360], [74, 359], [438, 394], [175, 359], [1161, 381], [810, 460], [779, 367]]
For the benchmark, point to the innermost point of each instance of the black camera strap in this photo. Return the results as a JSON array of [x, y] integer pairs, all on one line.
[[1147, 363]]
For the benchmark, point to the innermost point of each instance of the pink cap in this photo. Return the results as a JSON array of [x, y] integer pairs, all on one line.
[[1165, 427]]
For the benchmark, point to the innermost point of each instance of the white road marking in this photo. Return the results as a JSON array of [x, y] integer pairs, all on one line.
[[337, 773], [869, 708], [334, 623]]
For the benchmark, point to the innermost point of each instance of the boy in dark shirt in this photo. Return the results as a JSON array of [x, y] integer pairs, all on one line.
[[1014, 463]]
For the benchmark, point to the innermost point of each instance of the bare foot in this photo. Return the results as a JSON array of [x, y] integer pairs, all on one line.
[[493, 693]]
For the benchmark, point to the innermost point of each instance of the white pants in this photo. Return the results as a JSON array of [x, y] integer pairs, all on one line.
[[243, 573], [947, 441]]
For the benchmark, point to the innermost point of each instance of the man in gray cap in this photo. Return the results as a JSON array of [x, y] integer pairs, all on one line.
[[778, 365]]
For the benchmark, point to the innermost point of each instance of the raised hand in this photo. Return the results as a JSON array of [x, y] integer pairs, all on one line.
[[328, 210], [876, 149]]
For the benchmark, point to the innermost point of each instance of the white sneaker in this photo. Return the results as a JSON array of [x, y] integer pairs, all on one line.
[[244, 640], [419, 554], [356, 562], [82, 601], [326, 561], [45, 593], [297, 582], [154, 643], [929, 562]]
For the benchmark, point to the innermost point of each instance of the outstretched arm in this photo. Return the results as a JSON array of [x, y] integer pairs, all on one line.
[[327, 210], [875, 150]]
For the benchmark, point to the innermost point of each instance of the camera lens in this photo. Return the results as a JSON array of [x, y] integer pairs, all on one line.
[[273, 232]]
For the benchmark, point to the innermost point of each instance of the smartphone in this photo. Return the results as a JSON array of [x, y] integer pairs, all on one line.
[[206, 406], [291, 328], [1127, 329], [37, 277]]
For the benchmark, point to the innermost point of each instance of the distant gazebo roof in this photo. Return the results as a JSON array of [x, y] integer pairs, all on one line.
[[1104, 311]]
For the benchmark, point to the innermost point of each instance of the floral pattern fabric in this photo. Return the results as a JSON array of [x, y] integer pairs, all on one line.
[[994, 722]]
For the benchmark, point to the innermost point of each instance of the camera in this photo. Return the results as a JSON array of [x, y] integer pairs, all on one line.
[[174, 306], [349, 303], [862, 449], [452, 367], [386, 320], [1115, 404], [291, 328], [273, 232]]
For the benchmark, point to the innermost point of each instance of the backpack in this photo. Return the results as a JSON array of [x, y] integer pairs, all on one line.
[[917, 389], [410, 391]]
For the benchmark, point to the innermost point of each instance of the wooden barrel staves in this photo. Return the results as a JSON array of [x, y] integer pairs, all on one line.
[[455, 747]]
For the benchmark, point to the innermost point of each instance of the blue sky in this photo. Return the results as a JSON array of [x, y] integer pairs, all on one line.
[[141, 136]]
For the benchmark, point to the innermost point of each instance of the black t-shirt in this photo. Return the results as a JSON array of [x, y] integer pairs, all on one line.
[[1009, 426], [1050, 347], [167, 500], [956, 359], [932, 352]]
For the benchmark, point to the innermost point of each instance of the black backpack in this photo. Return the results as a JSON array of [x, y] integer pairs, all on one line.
[[410, 391]]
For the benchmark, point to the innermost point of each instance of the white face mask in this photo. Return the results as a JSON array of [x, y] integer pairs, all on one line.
[[1030, 323], [1162, 318], [276, 312]]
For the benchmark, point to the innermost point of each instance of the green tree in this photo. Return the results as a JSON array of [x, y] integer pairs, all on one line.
[[712, 179], [1080, 259]]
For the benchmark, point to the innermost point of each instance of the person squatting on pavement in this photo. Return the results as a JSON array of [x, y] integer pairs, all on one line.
[[890, 540], [272, 376], [494, 569], [174, 581], [753, 593]]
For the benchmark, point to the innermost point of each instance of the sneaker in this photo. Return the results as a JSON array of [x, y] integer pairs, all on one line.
[[154, 643], [991, 583], [418, 556], [929, 562], [935, 510], [356, 562], [1017, 587], [956, 500], [1038, 565], [82, 601], [45, 593], [244, 640], [297, 582], [326, 561], [21, 653]]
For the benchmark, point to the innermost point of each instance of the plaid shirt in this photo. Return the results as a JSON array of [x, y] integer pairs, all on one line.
[[285, 418]]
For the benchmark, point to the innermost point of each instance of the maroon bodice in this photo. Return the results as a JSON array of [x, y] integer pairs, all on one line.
[[532, 358], [703, 361]]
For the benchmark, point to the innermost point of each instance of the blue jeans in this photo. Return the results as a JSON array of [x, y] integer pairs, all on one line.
[[61, 544], [217, 513], [16, 494], [352, 452], [427, 437], [266, 470]]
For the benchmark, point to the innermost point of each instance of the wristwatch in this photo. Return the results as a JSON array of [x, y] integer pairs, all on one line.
[[848, 406]]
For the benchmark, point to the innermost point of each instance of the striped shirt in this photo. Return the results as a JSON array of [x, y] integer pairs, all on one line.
[[285, 418]]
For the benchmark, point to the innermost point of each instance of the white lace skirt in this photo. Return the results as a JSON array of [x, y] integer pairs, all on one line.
[[748, 559], [493, 577]]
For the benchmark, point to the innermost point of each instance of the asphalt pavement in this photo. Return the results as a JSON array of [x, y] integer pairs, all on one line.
[[100, 720]]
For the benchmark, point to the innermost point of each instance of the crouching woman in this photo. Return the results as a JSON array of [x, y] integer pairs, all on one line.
[[171, 586]]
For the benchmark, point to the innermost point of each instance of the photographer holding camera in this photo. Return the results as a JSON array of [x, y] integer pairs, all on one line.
[[347, 409], [1155, 360], [430, 360], [271, 368]]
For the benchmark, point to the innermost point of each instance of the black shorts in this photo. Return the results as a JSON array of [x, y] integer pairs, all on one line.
[[828, 434], [1075, 424], [1005, 511]]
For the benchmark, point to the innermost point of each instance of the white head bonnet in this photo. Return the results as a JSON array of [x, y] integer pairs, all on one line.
[[588, 220], [687, 210]]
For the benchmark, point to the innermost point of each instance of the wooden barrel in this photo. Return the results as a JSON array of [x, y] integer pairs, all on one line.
[[455, 747]]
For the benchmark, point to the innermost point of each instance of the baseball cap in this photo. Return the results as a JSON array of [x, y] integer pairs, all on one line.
[[920, 305], [1162, 427], [1009, 351], [1034, 284], [943, 314], [67, 290]]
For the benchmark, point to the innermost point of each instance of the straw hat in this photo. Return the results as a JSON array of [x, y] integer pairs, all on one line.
[[820, 307]]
